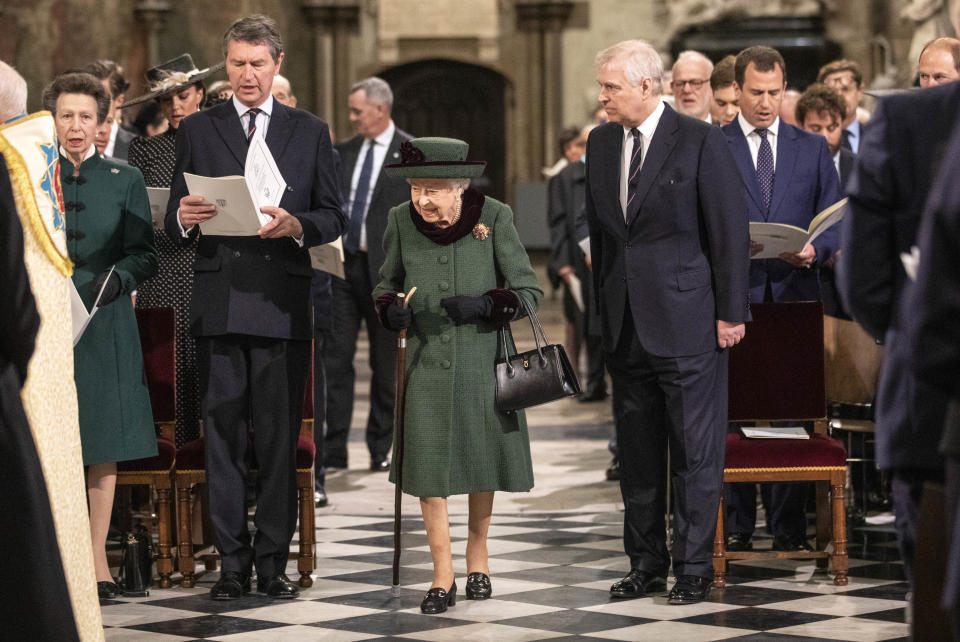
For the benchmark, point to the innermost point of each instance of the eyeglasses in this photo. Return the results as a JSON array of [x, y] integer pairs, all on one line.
[[694, 84]]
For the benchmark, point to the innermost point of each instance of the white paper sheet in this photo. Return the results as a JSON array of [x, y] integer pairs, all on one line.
[[576, 291], [159, 196], [78, 311], [774, 432], [236, 214], [264, 181], [328, 257]]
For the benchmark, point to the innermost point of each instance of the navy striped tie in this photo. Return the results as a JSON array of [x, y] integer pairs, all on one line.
[[252, 125], [634, 166]]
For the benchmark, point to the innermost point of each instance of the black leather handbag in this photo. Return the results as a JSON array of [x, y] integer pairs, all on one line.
[[533, 377], [136, 568]]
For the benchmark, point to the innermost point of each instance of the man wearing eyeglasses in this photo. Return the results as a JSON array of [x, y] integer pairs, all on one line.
[[691, 85]]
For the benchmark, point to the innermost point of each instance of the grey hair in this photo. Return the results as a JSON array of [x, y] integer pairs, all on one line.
[[377, 91], [13, 93], [640, 60], [257, 29], [694, 56]]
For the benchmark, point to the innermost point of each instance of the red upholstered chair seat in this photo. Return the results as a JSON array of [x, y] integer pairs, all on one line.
[[163, 461], [816, 452]]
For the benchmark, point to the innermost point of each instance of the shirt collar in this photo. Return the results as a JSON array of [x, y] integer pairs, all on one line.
[[90, 152], [266, 107], [749, 129], [649, 125], [386, 135]]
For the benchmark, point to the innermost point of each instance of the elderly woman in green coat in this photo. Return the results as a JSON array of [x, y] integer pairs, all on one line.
[[107, 226], [462, 253]]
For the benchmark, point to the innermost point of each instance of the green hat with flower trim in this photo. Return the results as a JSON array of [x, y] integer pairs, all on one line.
[[435, 157]]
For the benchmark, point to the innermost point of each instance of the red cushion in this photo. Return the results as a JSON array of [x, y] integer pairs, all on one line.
[[166, 451], [819, 450], [157, 328], [190, 456]]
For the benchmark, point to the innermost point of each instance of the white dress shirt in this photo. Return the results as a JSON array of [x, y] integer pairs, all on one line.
[[753, 138], [379, 154], [647, 128], [108, 150], [263, 119]]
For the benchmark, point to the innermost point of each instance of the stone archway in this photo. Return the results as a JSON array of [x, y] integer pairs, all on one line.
[[441, 97]]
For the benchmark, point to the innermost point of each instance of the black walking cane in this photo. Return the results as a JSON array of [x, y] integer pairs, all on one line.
[[398, 404]]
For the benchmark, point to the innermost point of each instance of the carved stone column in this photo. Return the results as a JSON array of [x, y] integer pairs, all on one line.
[[543, 21], [152, 14], [331, 22]]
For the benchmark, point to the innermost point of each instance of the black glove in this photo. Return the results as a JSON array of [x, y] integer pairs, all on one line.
[[467, 308], [111, 291], [397, 317]]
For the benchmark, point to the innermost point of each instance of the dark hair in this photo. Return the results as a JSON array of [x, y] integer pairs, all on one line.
[[723, 75], [257, 29], [838, 66], [819, 98], [949, 44], [763, 58], [566, 136], [108, 70], [77, 83], [149, 115]]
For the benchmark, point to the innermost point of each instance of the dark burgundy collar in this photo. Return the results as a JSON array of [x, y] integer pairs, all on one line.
[[469, 216]]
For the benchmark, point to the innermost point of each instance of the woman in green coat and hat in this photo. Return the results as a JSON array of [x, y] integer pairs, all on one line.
[[461, 251]]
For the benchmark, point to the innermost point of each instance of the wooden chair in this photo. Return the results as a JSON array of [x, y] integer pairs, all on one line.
[[191, 470], [777, 374], [157, 328]]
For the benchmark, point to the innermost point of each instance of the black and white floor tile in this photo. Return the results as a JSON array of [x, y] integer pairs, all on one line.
[[550, 573]]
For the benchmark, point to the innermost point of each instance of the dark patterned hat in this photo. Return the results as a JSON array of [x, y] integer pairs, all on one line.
[[435, 157], [172, 75]]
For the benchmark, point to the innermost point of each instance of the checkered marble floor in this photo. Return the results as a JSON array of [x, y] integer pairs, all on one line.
[[550, 574]]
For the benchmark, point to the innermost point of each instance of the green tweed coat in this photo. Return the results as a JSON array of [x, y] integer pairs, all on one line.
[[455, 441], [108, 223]]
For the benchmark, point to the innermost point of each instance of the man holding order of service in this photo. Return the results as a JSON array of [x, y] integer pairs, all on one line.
[[669, 247], [251, 304]]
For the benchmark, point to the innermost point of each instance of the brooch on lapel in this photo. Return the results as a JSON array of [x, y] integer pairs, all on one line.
[[480, 231]]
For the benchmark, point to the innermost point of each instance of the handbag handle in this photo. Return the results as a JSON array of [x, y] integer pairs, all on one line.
[[535, 325]]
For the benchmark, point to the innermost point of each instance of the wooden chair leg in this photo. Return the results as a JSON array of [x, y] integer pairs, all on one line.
[[164, 536], [839, 556], [305, 558], [185, 561], [824, 534], [719, 550]]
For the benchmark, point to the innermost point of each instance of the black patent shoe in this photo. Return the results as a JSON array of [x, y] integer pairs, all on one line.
[[437, 600], [638, 583], [478, 586], [737, 542], [278, 587], [689, 589], [107, 590], [230, 586]]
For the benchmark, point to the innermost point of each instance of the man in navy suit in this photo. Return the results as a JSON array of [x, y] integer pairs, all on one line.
[[903, 147], [788, 176], [669, 249], [251, 304]]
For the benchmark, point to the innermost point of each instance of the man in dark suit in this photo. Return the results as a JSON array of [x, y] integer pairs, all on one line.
[[903, 146], [845, 77], [251, 304], [669, 250], [369, 196], [788, 176]]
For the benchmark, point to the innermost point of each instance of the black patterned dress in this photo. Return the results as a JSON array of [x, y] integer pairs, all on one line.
[[172, 285]]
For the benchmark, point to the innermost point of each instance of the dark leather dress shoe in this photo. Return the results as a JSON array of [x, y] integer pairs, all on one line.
[[596, 395], [437, 600], [478, 586], [690, 589], [739, 542], [320, 498], [790, 547], [107, 590], [230, 586], [278, 587], [613, 473], [379, 465], [637, 584]]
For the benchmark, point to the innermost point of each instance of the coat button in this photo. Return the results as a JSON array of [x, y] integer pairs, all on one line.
[[236, 255], [443, 285], [266, 257], [444, 338], [443, 259], [444, 363]]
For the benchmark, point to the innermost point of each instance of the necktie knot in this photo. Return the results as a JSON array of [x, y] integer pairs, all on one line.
[[761, 132], [635, 133]]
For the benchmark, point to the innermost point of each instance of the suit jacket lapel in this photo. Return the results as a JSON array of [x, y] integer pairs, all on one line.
[[783, 172], [748, 173], [663, 141], [393, 156], [280, 130], [611, 180], [228, 126]]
